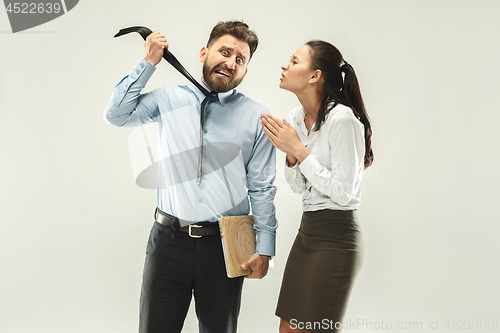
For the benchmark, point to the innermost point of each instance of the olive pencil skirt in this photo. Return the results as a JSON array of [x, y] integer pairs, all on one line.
[[320, 271]]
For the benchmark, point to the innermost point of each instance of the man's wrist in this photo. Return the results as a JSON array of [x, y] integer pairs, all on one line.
[[265, 255], [150, 61]]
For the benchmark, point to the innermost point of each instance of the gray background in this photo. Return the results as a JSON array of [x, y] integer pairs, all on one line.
[[74, 226]]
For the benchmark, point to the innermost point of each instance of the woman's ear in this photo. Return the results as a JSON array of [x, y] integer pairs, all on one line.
[[316, 77]]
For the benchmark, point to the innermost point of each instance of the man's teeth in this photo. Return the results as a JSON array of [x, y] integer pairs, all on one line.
[[221, 72]]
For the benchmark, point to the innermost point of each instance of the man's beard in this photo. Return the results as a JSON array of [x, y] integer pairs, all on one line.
[[219, 84]]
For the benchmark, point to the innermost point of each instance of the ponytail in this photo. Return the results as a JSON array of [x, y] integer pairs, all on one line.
[[354, 100], [340, 86]]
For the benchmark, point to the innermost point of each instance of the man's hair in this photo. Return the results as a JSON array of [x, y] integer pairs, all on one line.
[[236, 29]]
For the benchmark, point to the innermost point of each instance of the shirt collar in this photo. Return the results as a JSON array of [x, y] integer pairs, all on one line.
[[223, 97], [299, 119]]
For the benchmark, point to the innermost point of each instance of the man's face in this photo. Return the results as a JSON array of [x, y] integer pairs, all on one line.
[[224, 63]]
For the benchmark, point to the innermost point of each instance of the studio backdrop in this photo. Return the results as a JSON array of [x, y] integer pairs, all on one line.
[[74, 219]]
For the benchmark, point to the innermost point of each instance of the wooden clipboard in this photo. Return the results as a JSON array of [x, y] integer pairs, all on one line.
[[238, 242]]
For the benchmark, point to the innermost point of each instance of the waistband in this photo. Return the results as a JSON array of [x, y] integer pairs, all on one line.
[[196, 230]]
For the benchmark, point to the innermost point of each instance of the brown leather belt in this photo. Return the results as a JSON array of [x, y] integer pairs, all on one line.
[[196, 230]]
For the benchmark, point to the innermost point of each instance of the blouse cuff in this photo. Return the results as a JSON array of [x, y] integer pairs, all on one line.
[[292, 170], [310, 167]]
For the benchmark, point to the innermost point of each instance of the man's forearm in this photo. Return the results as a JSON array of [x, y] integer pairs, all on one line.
[[125, 97]]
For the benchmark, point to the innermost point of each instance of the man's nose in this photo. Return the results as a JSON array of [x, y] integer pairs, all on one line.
[[285, 66], [231, 63]]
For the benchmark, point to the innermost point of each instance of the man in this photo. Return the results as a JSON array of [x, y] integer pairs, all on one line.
[[184, 253]]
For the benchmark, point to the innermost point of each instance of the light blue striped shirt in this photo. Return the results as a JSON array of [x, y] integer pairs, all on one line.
[[238, 160]]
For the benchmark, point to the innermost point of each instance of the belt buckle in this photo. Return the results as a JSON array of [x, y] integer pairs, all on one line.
[[190, 228]]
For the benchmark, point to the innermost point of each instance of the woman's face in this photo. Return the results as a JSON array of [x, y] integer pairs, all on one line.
[[297, 72]]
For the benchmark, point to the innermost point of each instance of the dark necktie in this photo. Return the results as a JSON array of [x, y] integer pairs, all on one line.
[[169, 57]]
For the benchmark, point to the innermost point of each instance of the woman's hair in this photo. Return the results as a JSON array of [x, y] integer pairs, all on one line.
[[338, 88]]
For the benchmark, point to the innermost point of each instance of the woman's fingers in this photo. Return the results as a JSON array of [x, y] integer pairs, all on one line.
[[269, 126], [274, 129], [269, 135], [275, 120], [272, 124], [265, 125], [272, 138]]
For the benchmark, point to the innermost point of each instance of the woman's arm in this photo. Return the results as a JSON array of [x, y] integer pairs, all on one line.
[[340, 182], [287, 141], [295, 178]]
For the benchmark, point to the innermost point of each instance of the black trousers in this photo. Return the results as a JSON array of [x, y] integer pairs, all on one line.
[[177, 267]]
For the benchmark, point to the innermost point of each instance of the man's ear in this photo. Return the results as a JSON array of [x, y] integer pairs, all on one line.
[[203, 53], [316, 77]]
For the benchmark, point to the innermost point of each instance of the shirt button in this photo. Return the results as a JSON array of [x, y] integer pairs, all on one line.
[[142, 65], [137, 71], [205, 131], [199, 200], [209, 111]]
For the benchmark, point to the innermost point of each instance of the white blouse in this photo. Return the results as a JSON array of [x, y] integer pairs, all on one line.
[[330, 177]]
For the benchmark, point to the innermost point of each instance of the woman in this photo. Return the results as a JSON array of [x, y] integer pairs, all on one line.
[[327, 141]]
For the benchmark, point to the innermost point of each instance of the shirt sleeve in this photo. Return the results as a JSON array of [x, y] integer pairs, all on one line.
[[346, 142], [127, 107], [261, 172], [295, 179]]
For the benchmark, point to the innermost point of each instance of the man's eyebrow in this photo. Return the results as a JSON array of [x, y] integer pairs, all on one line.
[[227, 47]]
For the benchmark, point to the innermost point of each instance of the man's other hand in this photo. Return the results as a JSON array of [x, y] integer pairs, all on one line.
[[259, 264]]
